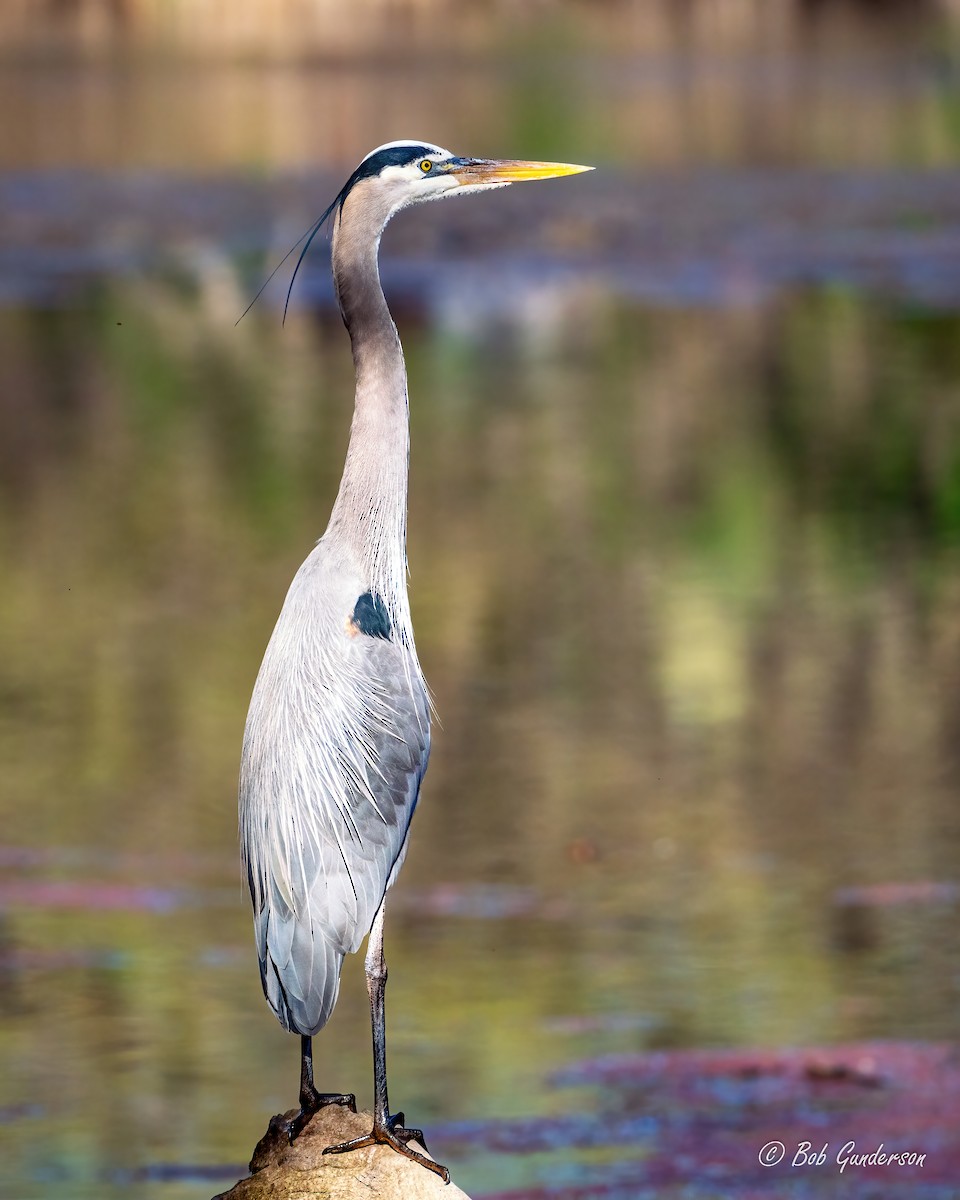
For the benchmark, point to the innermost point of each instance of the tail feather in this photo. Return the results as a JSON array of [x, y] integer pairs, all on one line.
[[303, 990]]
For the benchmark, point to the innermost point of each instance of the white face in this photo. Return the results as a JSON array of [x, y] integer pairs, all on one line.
[[430, 173]]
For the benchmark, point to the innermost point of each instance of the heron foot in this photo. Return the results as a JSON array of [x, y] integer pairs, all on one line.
[[311, 1101], [392, 1132]]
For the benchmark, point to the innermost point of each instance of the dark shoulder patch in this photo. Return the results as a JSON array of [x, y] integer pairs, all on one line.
[[370, 616]]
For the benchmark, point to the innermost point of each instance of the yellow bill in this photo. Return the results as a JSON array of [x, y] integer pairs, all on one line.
[[469, 171]]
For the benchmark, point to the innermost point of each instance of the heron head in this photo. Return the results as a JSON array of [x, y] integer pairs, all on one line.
[[410, 172]]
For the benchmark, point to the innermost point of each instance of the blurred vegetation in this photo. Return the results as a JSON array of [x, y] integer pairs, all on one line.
[[295, 28], [290, 83]]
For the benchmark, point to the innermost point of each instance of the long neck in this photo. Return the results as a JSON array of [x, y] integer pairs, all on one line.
[[370, 512]]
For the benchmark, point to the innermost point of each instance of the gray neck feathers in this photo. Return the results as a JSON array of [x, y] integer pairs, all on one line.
[[370, 513]]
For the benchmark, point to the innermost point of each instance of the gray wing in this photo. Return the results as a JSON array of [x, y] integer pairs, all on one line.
[[335, 749]]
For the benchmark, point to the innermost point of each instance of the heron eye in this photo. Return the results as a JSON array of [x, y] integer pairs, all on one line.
[[426, 165]]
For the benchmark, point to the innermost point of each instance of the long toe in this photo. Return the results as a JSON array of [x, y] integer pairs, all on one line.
[[396, 1136], [399, 1143], [357, 1143], [403, 1134]]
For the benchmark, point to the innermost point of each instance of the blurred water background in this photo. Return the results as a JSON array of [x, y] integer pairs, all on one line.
[[685, 515]]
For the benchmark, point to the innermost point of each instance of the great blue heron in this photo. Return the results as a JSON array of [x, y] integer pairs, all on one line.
[[338, 731]]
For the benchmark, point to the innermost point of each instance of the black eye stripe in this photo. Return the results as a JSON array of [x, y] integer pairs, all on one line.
[[396, 156], [393, 156]]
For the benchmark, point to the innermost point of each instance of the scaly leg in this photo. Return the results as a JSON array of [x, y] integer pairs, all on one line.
[[387, 1130], [311, 1100]]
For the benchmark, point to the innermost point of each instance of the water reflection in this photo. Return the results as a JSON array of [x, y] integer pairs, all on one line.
[[684, 523], [693, 649]]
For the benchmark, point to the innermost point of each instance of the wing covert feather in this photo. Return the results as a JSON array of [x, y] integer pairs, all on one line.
[[334, 754]]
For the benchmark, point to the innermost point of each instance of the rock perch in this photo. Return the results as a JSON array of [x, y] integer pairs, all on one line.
[[281, 1171]]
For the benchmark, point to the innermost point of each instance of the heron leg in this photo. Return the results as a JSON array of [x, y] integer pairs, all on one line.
[[387, 1130], [311, 1100]]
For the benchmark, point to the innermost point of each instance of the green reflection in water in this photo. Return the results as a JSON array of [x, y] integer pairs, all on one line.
[[685, 587]]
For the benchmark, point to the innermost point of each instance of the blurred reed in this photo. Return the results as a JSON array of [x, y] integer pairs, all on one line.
[[292, 29]]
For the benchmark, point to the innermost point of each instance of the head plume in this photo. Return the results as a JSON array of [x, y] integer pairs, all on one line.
[[389, 154]]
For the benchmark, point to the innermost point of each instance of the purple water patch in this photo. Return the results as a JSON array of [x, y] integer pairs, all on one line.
[[183, 1173], [39, 893], [104, 891], [865, 1121], [77, 858], [895, 895], [633, 1188], [482, 901], [538, 1135], [31, 959], [9, 1113], [858, 1065]]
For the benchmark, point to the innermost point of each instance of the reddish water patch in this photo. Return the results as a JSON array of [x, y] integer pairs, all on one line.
[[88, 895], [893, 895], [755, 1125]]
